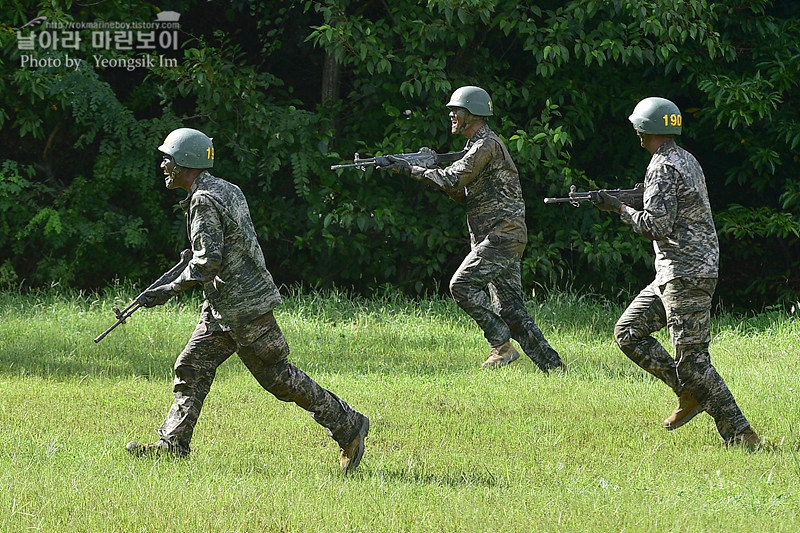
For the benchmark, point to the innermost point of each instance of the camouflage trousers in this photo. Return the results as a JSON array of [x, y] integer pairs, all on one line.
[[683, 305], [263, 349], [488, 287]]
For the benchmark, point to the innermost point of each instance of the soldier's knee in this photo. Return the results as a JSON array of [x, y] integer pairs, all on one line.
[[273, 377], [692, 358], [459, 289], [517, 320], [279, 381], [186, 373], [624, 335]]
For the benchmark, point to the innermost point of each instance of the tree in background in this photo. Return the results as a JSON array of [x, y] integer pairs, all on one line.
[[288, 88]]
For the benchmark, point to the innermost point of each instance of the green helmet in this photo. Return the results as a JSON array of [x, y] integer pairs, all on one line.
[[657, 116], [189, 148], [473, 99]]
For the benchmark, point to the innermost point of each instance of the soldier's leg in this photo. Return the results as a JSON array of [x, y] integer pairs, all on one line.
[[688, 302], [195, 369], [469, 287], [506, 293], [645, 315], [699, 376], [263, 349]]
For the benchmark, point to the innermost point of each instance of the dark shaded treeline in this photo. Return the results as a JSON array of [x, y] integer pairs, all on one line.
[[288, 88]]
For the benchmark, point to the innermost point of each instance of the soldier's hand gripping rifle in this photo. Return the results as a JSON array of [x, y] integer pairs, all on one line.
[[168, 276], [424, 158], [632, 197]]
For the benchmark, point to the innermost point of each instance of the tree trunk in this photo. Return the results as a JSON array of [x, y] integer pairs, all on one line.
[[331, 81]]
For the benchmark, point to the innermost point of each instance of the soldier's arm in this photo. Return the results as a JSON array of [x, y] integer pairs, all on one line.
[[206, 236], [657, 218], [459, 174]]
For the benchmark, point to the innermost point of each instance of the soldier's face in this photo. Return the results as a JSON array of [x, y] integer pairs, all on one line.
[[458, 120], [641, 138], [171, 171]]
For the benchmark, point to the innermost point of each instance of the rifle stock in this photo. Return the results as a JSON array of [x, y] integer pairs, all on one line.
[[138, 302]]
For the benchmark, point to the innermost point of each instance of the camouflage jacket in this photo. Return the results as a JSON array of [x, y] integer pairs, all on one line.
[[677, 216], [227, 259], [489, 182]]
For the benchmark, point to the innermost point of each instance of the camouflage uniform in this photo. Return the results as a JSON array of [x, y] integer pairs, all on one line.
[[239, 296], [488, 180], [677, 217]]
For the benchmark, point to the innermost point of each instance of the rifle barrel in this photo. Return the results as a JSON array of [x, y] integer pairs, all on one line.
[[106, 332], [557, 200], [121, 318], [168, 276], [570, 199], [365, 163]]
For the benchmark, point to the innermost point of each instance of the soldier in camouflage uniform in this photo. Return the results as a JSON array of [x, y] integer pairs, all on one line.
[[236, 315], [677, 218], [488, 285]]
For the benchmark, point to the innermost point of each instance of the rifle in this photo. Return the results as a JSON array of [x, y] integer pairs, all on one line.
[[169, 275], [424, 158], [632, 197]]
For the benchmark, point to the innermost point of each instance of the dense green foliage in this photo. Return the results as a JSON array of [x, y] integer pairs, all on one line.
[[288, 88]]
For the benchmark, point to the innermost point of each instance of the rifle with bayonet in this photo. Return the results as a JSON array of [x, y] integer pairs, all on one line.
[[631, 197], [167, 277], [426, 158]]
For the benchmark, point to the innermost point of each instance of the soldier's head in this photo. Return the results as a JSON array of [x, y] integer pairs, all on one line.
[[656, 120], [187, 152], [469, 106]]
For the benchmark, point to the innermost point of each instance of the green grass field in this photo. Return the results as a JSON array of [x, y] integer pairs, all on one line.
[[452, 447]]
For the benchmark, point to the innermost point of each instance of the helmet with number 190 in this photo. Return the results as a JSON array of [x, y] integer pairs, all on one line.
[[189, 148], [656, 116]]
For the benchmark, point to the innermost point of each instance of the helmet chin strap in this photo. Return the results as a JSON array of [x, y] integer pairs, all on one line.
[[171, 179], [175, 172], [471, 119]]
